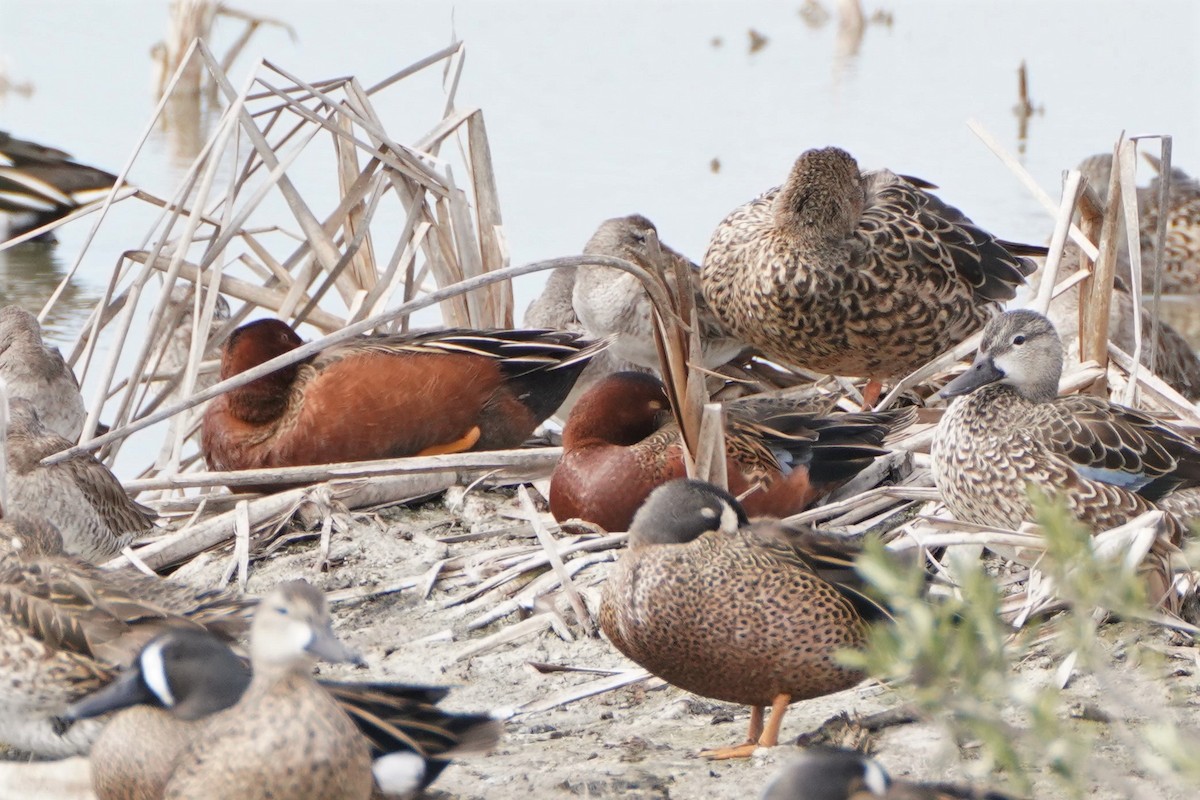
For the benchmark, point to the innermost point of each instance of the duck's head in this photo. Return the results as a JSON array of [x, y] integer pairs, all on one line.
[[823, 196], [829, 774], [252, 344], [18, 325], [187, 671], [292, 628], [1020, 349], [256, 343], [633, 238], [621, 409], [685, 509]]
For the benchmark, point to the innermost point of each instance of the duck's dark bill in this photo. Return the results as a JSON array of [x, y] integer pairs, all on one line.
[[982, 372], [127, 689]]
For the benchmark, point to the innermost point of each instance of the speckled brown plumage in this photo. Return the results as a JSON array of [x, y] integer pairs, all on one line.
[[1175, 361], [1181, 253], [746, 613], [855, 273], [80, 496], [1181, 262], [1011, 430], [612, 302], [65, 626]]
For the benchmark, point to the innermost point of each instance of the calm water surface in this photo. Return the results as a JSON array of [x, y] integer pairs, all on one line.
[[598, 109]]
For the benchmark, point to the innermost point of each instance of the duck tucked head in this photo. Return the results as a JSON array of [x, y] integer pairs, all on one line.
[[823, 197], [685, 509], [18, 325], [1020, 349], [253, 344], [621, 409], [292, 628], [633, 238]]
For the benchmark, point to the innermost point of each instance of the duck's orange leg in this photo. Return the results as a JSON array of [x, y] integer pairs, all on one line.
[[757, 736], [459, 445], [871, 394]]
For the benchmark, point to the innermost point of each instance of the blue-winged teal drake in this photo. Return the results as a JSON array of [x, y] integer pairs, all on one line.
[[37, 373], [745, 612], [80, 496], [835, 774], [1009, 430], [66, 626], [40, 184], [621, 441], [182, 677], [286, 738], [387, 396], [612, 302], [856, 273]]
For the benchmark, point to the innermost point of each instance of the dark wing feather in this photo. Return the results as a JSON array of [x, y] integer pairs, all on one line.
[[1119, 445]]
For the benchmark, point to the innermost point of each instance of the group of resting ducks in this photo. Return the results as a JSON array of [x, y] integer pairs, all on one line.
[[839, 271]]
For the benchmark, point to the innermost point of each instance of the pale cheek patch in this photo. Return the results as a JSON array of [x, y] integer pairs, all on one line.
[[154, 673]]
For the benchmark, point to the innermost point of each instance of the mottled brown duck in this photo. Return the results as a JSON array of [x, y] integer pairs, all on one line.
[[1174, 359], [67, 626], [745, 612], [857, 273], [80, 496], [1181, 253], [1008, 429]]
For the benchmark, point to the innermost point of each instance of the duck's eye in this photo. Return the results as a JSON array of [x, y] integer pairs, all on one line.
[[1019, 339], [281, 610], [638, 236]]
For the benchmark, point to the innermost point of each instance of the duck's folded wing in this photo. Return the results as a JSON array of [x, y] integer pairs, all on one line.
[[1119, 446]]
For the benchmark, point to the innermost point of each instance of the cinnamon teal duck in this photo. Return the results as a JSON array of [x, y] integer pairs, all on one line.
[[184, 676], [740, 611], [1008, 429], [67, 626], [36, 372], [621, 441], [857, 273], [837, 774], [80, 496], [387, 396], [612, 302]]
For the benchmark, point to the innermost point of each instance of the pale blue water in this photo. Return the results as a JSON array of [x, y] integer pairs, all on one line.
[[598, 109]]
